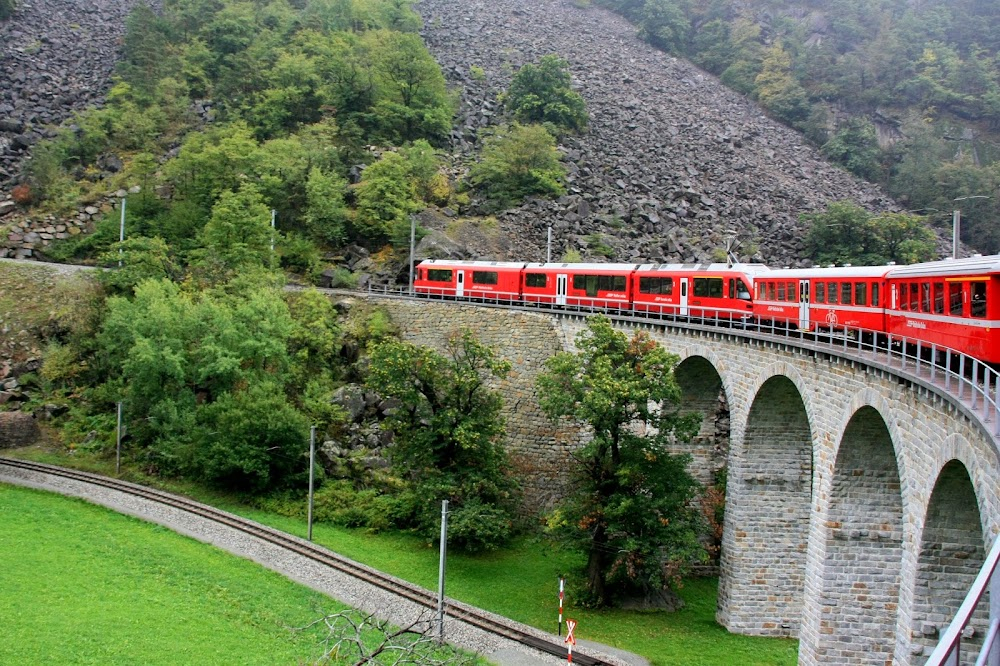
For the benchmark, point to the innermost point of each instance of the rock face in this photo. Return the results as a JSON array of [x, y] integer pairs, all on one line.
[[673, 162], [17, 429], [56, 57]]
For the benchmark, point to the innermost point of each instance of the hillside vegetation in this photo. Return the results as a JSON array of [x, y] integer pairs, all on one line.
[[906, 94]]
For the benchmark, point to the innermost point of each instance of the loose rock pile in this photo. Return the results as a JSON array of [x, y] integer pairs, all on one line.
[[56, 57], [27, 237], [673, 163]]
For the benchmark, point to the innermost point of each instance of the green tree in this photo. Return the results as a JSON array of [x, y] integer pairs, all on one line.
[[448, 436], [665, 25], [7, 9], [238, 235], [846, 233], [777, 89], [202, 377], [855, 146], [542, 93], [385, 198], [631, 509], [519, 161], [141, 259], [326, 214]]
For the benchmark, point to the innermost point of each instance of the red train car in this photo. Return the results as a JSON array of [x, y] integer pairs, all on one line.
[[711, 291], [486, 280], [954, 303], [813, 299], [590, 285]]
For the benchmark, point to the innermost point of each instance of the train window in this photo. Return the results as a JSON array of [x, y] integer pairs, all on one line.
[[845, 293], [587, 283], [781, 291], [708, 287], [656, 286], [439, 275], [742, 292], [874, 294], [904, 296], [831, 292], [955, 298], [771, 292], [535, 279], [820, 295], [792, 296], [978, 308], [611, 282], [914, 298], [484, 277], [861, 293], [925, 296], [938, 298]]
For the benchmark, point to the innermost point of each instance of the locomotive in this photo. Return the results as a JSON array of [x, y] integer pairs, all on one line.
[[953, 303]]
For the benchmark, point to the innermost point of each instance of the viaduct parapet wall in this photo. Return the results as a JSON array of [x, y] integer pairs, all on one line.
[[859, 503]]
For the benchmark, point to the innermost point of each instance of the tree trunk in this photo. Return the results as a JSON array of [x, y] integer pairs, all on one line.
[[595, 567]]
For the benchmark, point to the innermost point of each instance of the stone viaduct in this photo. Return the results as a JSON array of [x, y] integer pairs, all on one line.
[[860, 502]]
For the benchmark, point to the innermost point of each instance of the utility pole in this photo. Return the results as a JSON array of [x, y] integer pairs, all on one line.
[[441, 568], [118, 439], [413, 238], [121, 235], [274, 215], [548, 247], [312, 466]]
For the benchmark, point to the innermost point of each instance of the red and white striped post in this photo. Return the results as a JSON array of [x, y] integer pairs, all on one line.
[[562, 587]]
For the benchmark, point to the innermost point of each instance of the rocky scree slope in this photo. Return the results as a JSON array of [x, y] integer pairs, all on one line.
[[673, 162], [56, 57]]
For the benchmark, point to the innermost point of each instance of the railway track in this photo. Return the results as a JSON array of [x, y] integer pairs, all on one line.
[[317, 554]]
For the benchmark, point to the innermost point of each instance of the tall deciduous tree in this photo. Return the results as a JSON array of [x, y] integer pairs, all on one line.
[[448, 436], [630, 510]]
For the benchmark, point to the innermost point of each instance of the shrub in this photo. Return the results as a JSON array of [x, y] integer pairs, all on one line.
[[22, 194], [6, 9]]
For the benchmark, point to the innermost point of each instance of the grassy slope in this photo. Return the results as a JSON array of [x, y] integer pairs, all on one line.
[[32, 295], [82, 584]]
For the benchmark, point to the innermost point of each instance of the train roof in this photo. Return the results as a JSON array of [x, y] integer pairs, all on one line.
[[747, 269], [833, 272], [453, 263], [585, 267], [966, 266]]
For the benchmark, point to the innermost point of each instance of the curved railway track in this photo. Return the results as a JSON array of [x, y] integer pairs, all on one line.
[[314, 553]]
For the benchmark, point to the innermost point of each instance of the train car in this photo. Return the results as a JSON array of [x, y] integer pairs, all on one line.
[[813, 299], [586, 285], [710, 291], [954, 303], [483, 280]]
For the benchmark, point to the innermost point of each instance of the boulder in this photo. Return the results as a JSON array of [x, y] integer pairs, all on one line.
[[17, 429]]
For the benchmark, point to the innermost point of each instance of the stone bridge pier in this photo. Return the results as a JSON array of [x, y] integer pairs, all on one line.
[[860, 504]]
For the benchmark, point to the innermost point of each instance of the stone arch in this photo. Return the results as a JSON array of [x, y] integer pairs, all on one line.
[[703, 391], [863, 546], [950, 556], [768, 504]]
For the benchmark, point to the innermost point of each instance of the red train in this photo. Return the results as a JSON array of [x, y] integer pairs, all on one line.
[[950, 303]]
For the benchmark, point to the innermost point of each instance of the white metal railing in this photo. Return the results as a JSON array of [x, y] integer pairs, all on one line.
[[948, 650], [970, 381]]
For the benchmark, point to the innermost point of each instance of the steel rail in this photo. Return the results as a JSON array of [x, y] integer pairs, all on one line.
[[312, 552]]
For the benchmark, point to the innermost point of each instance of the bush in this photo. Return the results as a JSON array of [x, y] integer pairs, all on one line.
[[6, 9], [519, 161]]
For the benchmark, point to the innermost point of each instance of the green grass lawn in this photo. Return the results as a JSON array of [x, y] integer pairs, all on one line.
[[83, 585], [522, 583]]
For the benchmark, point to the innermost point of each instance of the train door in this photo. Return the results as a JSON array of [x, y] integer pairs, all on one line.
[[804, 305], [459, 283], [561, 281], [684, 297]]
